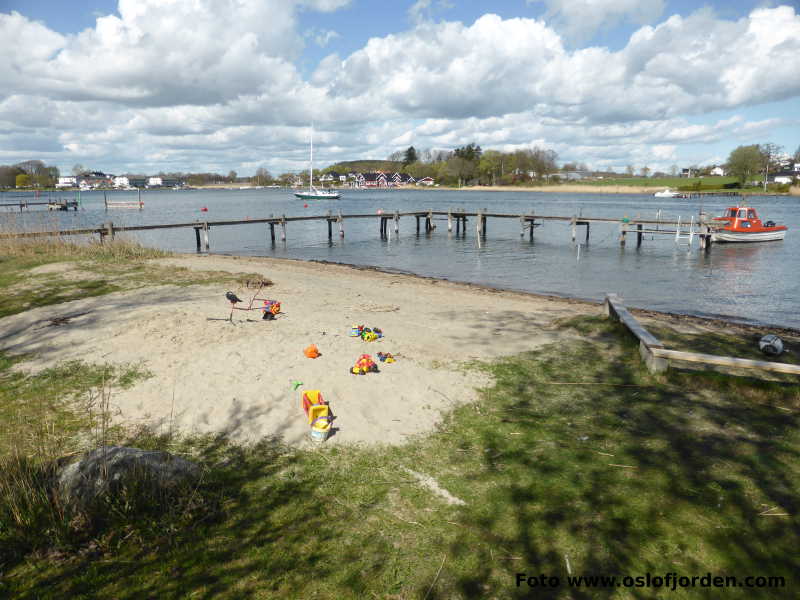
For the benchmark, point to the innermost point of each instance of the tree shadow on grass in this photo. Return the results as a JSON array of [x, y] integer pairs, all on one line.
[[680, 475]]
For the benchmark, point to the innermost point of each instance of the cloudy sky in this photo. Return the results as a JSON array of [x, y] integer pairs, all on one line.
[[215, 85]]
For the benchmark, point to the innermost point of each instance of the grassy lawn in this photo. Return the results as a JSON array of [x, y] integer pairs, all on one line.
[[662, 182], [575, 456]]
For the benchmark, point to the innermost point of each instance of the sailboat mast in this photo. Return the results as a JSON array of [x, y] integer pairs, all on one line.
[[311, 162]]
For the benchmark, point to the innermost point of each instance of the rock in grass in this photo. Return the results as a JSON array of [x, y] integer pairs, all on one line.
[[114, 470]]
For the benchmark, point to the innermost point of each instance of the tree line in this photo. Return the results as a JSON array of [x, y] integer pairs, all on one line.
[[471, 165], [28, 173], [747, 162]]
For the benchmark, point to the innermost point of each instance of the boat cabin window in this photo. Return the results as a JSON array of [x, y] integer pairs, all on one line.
[[731, 212], [742, 213], [751, 214]]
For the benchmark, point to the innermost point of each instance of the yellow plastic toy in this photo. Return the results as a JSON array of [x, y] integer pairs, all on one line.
[[319, 415]]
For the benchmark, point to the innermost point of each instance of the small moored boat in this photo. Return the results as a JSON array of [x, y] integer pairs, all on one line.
[[668, 193], [743, 225]]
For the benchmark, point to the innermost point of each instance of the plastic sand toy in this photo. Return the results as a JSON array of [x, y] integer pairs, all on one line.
[[386, 357], [318, 413], [312, 351], [364, 365]]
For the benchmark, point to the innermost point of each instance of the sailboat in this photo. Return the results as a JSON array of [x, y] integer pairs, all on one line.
[[313, 193]]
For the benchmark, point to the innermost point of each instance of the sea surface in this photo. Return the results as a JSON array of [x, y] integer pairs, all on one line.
[[757, 283]]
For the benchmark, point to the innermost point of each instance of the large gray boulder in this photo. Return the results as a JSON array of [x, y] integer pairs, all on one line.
[[111, 469]]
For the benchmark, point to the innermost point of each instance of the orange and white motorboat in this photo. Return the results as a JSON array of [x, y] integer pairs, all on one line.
[[743, 225]]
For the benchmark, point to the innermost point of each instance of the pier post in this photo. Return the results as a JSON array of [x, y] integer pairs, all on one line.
[[110, 229], [449, 221], [105, 201], [587, 233], [283, 228], [574, 227], [341, 225], [639, 235], [431, 225], [458, 225], [272, 232], [397, 221], [138, 198], [479, 224], [522, 226], [205, 235], [464, 223], [197, 236], [623, 229], [483, 222]]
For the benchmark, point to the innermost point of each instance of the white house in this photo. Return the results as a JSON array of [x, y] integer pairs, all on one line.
[[67, 182], [718, 171], [155, 182], [122, 182]]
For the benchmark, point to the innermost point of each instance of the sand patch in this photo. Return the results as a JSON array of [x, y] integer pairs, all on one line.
[[213, 376]]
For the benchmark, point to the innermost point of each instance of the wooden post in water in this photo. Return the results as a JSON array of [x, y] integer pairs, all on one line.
[[417, 218], [574, 227], [205, 235], [458, 225], [483, 224], [341, 225], [522, 226], [449, 221], [105, 200], [429, 219], [283, 228], [639, 235], [272, 231], [623, 229], [397, 221], [197, 236]]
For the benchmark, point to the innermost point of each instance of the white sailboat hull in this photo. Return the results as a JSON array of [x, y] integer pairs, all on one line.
[[762, 236]]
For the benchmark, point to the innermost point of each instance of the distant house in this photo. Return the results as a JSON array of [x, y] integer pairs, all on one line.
[[785, 176], [718, 171], [94, 179], [155, 182], [67, 182], [137, 182], [122, 182], [426, 181], [406, 179], [376, 179], [331, 177], [686, 172], [574, 175]]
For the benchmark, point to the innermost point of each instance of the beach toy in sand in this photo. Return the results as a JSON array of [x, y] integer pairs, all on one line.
[[369, 336], [312, 351], [386, 357], [271, 306], [364, 365], [296, 384], [356, 330], [318, 413]]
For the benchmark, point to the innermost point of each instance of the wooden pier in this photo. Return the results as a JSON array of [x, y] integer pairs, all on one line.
[[127, 204], [456, 219], [50, 204]]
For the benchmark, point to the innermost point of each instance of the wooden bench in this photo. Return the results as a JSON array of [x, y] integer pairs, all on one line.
[[647, 341], [657, 358]]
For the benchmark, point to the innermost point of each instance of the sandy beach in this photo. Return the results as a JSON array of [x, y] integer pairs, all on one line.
[[209, 375]]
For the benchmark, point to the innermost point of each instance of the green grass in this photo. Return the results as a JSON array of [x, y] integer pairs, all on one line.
[[687, 183], [624, 474]]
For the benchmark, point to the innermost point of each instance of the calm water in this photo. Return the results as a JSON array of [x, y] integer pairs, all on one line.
[[750, 282]]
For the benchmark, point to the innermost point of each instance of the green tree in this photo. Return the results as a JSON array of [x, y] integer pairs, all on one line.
[[744, 162], [410, 156], [23, 180], [490, 166]]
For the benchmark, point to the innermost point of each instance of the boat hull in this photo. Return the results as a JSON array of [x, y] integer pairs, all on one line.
[[758, 236], [317, 196]]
